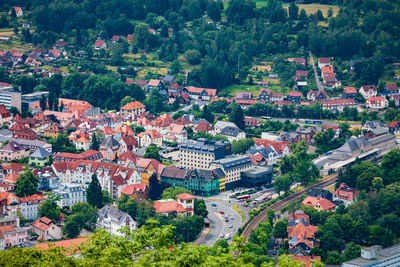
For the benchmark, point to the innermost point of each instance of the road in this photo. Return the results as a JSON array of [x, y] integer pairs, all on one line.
[[218, 225], [317, 81]]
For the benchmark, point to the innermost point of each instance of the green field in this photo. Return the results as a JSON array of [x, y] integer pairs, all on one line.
[[254, 89]]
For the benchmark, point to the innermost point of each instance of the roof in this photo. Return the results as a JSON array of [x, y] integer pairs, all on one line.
[[154, 82], [380, 255], [393, 124], [43, 223], [231, 131], [350, 90], [392, 87], [153, 134], [203, 126], [133, 106], [130, 189], [12, 178], [99, 43], [324, 60], [324, 203], [294, 94], [12, 146], [40, 153], [185, 196], [68, 244], [376, 99], [174, 172], [198, 90], [302, 231], [168, 205]]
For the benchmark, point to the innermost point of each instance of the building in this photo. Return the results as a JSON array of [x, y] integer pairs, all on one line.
[[338, 104], [48, 181], [200, 182], [391, 89], [137, 191], [70, 194], [134, 108], [30, 145], [220, 125], [150, 137], [324, 62], [349, 92], [317, 95], [12, 151], [5, 115], [11, 236], [40, 157], [368, 91], [70, 244], [394, 127], [257, 176], [199, 93], [87, 155], [319, 203], [184, 205], [9, 98], [233, 167], [345, 194], [376, 256], [53, 130], [233, 133], [46, 229], [201, 153], [294, 97], [113, 220], [109, 148], [302, 235], [377, 102]]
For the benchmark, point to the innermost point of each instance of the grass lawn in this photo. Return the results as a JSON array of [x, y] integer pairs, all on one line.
[[161, 71], [239, 211], [261, 3], [254, 89]]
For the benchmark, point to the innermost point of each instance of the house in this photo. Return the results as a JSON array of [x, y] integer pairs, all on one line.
[[319, 203], [345, 194], [109, 148], [12, 151], [300, 75], [391, 89], [338, 104], [294, 97], [154, 85], [178, 131], [71, 246], [113, 220], [25, 133], [137, 191], [5, 115], [322, 193], [168, 79], [53, 130], [233, 133], [150, 137], [251, 122], [301, 61], [282, 148], [69, 194], [376, 256], [46, 229], [373, 133], [29, 206], [349, 92], [275, 97], [200, 93], [184, 205], [324, 62], [220, 125], [204, 127], [18, 11], [128, 143], [11, 236], [268, 153], [295, 217], [86, 155], [264, 94], [40, 157], [263, 84], [302, 235], [368, 91], [377, 102], [369, 125], [134, 108], [394, 127], [100, 44], [317, 95], [244, 95]]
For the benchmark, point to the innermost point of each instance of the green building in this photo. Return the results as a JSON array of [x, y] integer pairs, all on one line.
[[200, 182], [40, 157]]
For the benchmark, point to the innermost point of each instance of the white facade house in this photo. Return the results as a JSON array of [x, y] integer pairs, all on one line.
[[368, 91], [70, 194], [233, 133], [377, 102], [113, 219], [220, 125], [29, 206]]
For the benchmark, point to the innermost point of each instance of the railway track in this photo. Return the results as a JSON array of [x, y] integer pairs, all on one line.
[[277, 206]]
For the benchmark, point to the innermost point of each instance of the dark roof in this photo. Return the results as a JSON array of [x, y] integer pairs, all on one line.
[[319, 192], [231, 131], [174, 172], [13, 147], [110, 141], [41, 153]]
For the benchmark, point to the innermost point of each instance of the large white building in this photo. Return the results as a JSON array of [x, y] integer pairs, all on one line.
[[70, 194], [113, 219], [112, 177], [376, 256]]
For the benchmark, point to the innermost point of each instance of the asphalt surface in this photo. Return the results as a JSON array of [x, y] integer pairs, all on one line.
[[218, 225]]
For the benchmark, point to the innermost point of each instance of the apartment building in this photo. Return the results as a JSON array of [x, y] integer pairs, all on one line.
[[201, 153], [233, 166]]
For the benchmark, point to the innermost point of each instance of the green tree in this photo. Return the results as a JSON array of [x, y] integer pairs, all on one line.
[[71, 229], [107, 199], [152, 152], [172, 192], [293, 11], [280, 230], [95, 144], [200, 208], [241, 146], [26, 184], [127, 99], [214, 10], [175, 66], [207, 114], [43, 103], [193, 56], [88, 214], [351, 251], [94, 194], [50, 210], [237, 116], [155, 187], [282, 183]]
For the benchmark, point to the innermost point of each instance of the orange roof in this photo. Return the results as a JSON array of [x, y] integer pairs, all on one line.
[[32, 198], [154, 82], [153, 134], [12, 178], [7, 229], [83, 140], [134, 187], [16, 167], [198, 90], [43, 223], [302, 231], [185, 196], [107, 130], [68, 244], [125, 129], [133, 106], [324, 203], [168, 206], [376, 98]]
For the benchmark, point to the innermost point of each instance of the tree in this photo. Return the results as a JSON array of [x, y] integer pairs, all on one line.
[[94, 194], [351, 251], [293, 11], [237, 116], [152, 152], [176, 66], [85, 215], [43, 103], [280, 230], [95, 144], [214, 10], [26, 184], [193, 56], [172, 192], [71, 229], [241, 146], [155, 187], [127, 99], [282, 183], [50, 210], [200, 208], [320, 16], [207, 114], [107, 199]]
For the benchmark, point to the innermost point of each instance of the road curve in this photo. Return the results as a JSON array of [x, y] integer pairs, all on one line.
[[277, 206]]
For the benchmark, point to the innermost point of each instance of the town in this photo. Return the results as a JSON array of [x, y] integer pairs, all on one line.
[[121, 139]]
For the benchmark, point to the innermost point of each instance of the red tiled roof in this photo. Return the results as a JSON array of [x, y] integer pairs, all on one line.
[[168, 206], [312, 201], [70, 244], [130, 189], [376, 99], [198, 90], [350, 90], [43, 223], [393, 124], [392, 87], [185, 196], [203, 126], [324, 60], [133, 106]]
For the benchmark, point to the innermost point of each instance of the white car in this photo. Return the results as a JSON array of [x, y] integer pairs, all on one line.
[[227, 236], [222, 236]]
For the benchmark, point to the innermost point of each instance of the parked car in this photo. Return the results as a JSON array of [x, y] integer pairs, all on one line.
[[221, 212], [214, 204]]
